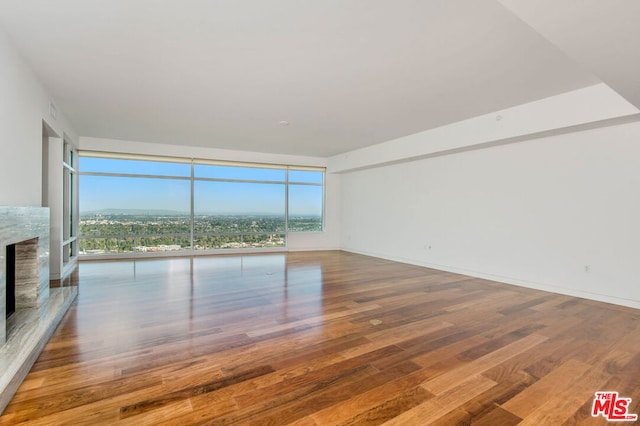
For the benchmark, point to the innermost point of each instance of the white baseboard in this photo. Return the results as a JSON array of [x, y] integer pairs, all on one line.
[[508, 280]]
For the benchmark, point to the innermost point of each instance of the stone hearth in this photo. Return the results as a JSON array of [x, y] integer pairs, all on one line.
[[38, 308]]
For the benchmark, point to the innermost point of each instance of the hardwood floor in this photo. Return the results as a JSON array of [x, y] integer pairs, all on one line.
[[323, 338]]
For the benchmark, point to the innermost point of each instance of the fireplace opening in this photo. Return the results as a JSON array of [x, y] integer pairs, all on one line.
[[22, 277], [10, 292]]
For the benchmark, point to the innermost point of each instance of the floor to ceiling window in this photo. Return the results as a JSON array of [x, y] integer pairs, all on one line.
[[145, 204]]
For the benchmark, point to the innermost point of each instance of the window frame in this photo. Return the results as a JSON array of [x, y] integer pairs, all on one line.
[[70, 208], [193, 178]]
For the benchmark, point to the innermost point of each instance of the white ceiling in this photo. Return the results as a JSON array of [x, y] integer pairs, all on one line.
[[603, 36], [345, 73]]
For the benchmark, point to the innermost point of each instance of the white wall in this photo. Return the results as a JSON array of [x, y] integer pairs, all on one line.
[[24, 104], [327, 240], [559, 213]]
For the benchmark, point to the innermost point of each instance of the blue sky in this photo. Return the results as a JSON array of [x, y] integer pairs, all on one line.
[[211, 197]]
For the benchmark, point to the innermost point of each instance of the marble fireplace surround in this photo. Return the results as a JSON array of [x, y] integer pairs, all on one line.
[[39, 308]]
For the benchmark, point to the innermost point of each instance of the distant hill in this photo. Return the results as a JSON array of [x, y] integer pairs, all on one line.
[[143, 212], [135, 212]]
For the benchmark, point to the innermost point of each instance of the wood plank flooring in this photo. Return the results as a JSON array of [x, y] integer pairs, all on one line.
[[323, 338]]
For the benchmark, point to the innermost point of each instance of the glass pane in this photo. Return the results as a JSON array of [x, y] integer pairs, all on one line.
[[268, 240], [125, 206], [304, 176], [134, 196], [233, 207], [106, 245], [240, 173], [238, 241], [230, 224], [136, 167], [161, 244], [133, 245], [305, 208], [107, 225], [72, 202], [66, 200]]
